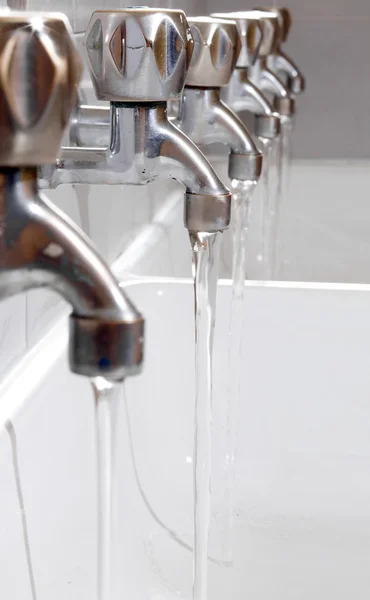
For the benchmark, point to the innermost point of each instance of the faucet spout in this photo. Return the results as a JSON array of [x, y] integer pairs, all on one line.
[[206, 120], [145, 146], [241, 94], [285, 65], [271, 83], [207, 201], [40, 247]]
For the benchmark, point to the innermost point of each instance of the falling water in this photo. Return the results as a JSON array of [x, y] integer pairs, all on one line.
[[206, 250], [107, 399], [82, 194], [284, 158], [264, 255], [21, 505], [242, 193]]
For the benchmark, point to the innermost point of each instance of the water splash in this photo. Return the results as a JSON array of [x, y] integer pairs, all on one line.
[[206, 250], [284, 160], [108, 396], [241, 205]]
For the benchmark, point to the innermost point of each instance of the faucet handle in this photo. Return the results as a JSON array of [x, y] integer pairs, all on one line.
[[138, 54], [40, 70], [216, 50], [271, 24], [285, 19], [250, 33]]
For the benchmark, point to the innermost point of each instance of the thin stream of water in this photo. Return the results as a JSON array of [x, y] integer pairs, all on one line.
[[206, 251], [265, 184], [108, 396], [241, 207], [284, 159]]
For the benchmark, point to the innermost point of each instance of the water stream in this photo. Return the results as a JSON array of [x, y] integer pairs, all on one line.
[[206, 250], [283, 165], [265, 185], [108, 397], [241, 207]]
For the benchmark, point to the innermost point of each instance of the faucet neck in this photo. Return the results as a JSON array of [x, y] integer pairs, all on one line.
[[132, 126], [11, 177]]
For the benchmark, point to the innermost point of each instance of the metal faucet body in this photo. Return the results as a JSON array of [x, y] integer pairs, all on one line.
[[41, 247], [145, 146], [242, 95], [138, 60], [201, 113], [271, 84], [207, 120], [278, 61], [281, 64]]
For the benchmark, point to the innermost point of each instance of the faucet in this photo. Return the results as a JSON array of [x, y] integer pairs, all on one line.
[[279, 62], [202, 115], [39, 246], [258, 71], [241, 94], [138, 59]]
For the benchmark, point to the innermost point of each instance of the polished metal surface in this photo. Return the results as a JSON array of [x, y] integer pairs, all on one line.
[[258, 71], [206, 120], [273, 86], [40, 68], [250, 33], [138, 54], [41, 247], [145, 146], [202, 115], [246, 89], [139, 59], [278, 61], [243, 95], [216, 50]]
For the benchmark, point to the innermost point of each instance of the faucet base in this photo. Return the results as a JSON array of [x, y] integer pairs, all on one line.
[[207, 212], [245, 167], [296, 84], [267, 126], [99, 347], [284, 105]]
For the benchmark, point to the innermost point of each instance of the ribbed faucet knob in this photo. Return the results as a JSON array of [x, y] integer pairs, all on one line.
[[138, 54], [250, 34], [285, 19], [271, 24], [39, 72], [216, 50]]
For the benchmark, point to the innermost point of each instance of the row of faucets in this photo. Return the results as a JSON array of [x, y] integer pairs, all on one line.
[[140, 60]]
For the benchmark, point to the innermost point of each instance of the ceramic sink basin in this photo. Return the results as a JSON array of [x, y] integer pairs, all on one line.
[[302, 491]]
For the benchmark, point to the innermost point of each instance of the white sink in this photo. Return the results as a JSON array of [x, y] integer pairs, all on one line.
[[302, 522]]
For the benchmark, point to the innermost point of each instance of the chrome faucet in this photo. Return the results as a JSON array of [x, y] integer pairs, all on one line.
[[39, 245], [138, 60], [258, 72], [202, 115], [279, 62], [241, 94]]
